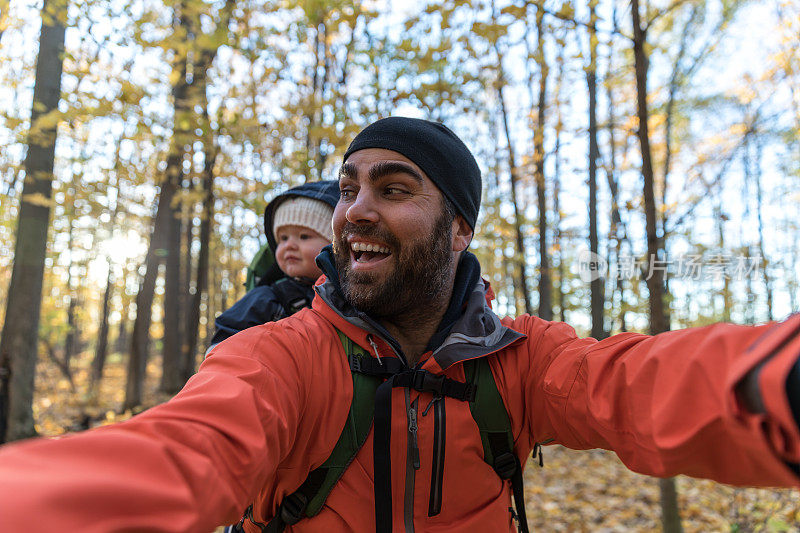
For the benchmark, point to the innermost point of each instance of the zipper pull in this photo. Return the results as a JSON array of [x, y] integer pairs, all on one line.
[[430, 404], [412, 428], [537, 448], [374, 347]]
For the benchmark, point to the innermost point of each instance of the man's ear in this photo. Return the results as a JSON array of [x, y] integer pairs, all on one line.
[[462, 234]]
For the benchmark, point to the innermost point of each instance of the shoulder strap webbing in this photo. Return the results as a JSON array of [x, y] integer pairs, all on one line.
[[356, 428], [497, 437], [308, 500]]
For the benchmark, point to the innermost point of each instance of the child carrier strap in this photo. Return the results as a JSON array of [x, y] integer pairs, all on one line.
[[292, 297]]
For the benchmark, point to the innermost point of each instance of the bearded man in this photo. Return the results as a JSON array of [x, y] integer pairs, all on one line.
[[270, 406]]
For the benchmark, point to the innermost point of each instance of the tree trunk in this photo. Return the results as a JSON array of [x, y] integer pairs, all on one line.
[[210, 152], [522, 274], [597, 282], [616, 230], [187, 264], [558, 243], [18, 342], [224, 288], [315, 104], [655, 281], [122, 342], [50, 351], [201, 287], [101, 349], [670, 521], [792, 284], [545, 277], [69, 339], [214, 289], [172, 375], [727, 303], [507, 266], [140, 337], [509, 270], [670, 515], [761, 248]]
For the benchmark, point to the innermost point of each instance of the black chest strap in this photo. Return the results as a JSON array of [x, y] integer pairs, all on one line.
[[419, 380]]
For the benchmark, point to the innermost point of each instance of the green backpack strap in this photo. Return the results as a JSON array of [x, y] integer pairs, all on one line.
[[497, 437], [308, 500], [487, 410], [356, 428]]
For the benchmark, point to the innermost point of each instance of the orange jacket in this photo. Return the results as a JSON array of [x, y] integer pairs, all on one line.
[[269, 404]]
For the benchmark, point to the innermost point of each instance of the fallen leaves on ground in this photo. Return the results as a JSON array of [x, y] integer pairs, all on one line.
[[592, 491]]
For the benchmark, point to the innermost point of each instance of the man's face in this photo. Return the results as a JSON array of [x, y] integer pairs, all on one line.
[[393, 239]]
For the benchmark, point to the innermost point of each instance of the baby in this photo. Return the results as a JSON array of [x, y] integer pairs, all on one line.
[[298, 226]]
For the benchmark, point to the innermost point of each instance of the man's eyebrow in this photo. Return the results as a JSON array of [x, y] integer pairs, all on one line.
[[348, 170], [385, 168]]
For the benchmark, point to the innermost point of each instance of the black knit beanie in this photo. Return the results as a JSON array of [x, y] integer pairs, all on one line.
[[436, 150]]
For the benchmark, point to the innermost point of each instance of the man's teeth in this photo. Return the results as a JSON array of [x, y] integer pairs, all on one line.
[[364, 247]]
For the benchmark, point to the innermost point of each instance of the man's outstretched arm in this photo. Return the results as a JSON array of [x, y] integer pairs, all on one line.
[[188, 465], [683, 402]]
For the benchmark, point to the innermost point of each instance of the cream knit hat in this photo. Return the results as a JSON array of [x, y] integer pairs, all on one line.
[[305, 212]]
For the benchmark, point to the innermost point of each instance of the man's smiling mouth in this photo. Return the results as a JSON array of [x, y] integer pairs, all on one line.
[[364, 252]]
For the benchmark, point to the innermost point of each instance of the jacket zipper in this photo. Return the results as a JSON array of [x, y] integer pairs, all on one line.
[[412, 463], [437, 464]]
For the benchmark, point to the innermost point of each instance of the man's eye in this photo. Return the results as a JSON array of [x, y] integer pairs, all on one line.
[[395, 190], [345, 194]]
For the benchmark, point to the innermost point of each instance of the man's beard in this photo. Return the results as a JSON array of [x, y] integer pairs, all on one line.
[[419, 280]]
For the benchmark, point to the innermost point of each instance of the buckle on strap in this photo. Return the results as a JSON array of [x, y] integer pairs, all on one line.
[[424, 381], [506, 465], [438, 384], [293, 507]]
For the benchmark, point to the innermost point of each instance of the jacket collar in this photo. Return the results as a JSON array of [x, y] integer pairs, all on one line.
[[476, 333], [469, 328]]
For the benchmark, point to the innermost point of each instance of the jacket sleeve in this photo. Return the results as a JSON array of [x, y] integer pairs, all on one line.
[[190, 464], [671, 403]]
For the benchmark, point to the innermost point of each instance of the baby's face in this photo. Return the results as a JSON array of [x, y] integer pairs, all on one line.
[[297, 248]]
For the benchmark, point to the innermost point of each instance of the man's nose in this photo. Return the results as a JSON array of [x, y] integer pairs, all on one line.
[[363, 210]]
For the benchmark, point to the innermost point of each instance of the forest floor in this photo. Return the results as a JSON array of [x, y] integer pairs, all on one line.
[[576, 491], [593, 491]]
